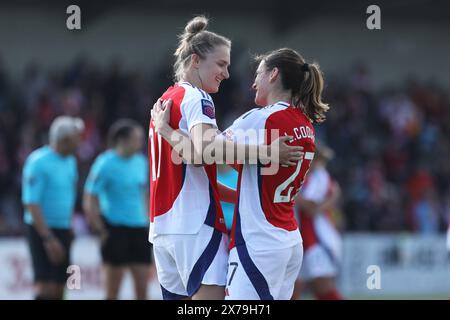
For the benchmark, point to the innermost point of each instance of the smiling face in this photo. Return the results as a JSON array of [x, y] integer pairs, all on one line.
[[214, 68], [262, 84]]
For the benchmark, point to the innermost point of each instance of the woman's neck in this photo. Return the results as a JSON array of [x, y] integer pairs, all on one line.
[[192, 78], [276, 96]]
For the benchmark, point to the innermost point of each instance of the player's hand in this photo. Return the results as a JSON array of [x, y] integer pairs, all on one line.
[[55, 250], [284, 154], [161, 113]]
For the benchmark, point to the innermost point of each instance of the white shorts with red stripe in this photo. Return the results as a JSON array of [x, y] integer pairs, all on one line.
[[322, 259], [318, 263], [262, 275], [186, 261]]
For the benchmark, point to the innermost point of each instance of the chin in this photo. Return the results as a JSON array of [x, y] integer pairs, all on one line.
[[259, 102], [213, 89]]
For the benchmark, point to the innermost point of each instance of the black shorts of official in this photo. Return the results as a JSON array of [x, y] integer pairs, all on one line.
[[43, 269], [126, 245]]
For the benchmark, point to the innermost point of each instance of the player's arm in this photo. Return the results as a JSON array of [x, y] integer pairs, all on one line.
[[209, 147], [179, 140], [332, 198], [312, 208], [226, 193], [190, 149], [181, 144], [308, 206], [206, 147]]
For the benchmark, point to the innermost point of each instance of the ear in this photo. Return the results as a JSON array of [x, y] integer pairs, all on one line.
[[195, 60], [274, 75]]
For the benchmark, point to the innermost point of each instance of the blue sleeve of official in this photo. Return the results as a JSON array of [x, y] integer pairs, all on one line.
[[33, 183], [97, 178], [145, 169]]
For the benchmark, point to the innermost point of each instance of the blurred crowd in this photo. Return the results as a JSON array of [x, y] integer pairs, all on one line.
[[392, 145]]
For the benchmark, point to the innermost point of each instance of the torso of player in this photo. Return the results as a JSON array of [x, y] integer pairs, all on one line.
[[182, 197], [264, 218], [316, 188]]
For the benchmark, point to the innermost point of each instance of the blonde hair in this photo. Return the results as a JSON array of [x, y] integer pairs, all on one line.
[[195, 39]]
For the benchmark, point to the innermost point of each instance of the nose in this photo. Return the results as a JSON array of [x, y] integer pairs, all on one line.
[[226, 74], [254, 86]]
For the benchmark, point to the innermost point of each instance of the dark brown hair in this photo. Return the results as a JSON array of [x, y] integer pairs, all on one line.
[[121, 130], [304, 80]]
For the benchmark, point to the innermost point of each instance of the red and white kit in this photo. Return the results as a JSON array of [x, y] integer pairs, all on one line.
[[187, 226], [321, 241], [266, 246]]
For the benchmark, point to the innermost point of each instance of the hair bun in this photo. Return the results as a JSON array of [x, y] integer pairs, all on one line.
[[196, 25]]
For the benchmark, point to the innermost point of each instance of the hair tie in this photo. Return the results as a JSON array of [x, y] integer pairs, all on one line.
[[305, 67]]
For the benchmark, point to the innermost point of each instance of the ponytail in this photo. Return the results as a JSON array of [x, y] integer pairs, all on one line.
[[310, 93]]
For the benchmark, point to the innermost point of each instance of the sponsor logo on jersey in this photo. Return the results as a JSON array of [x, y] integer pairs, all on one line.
[[208, 109]]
